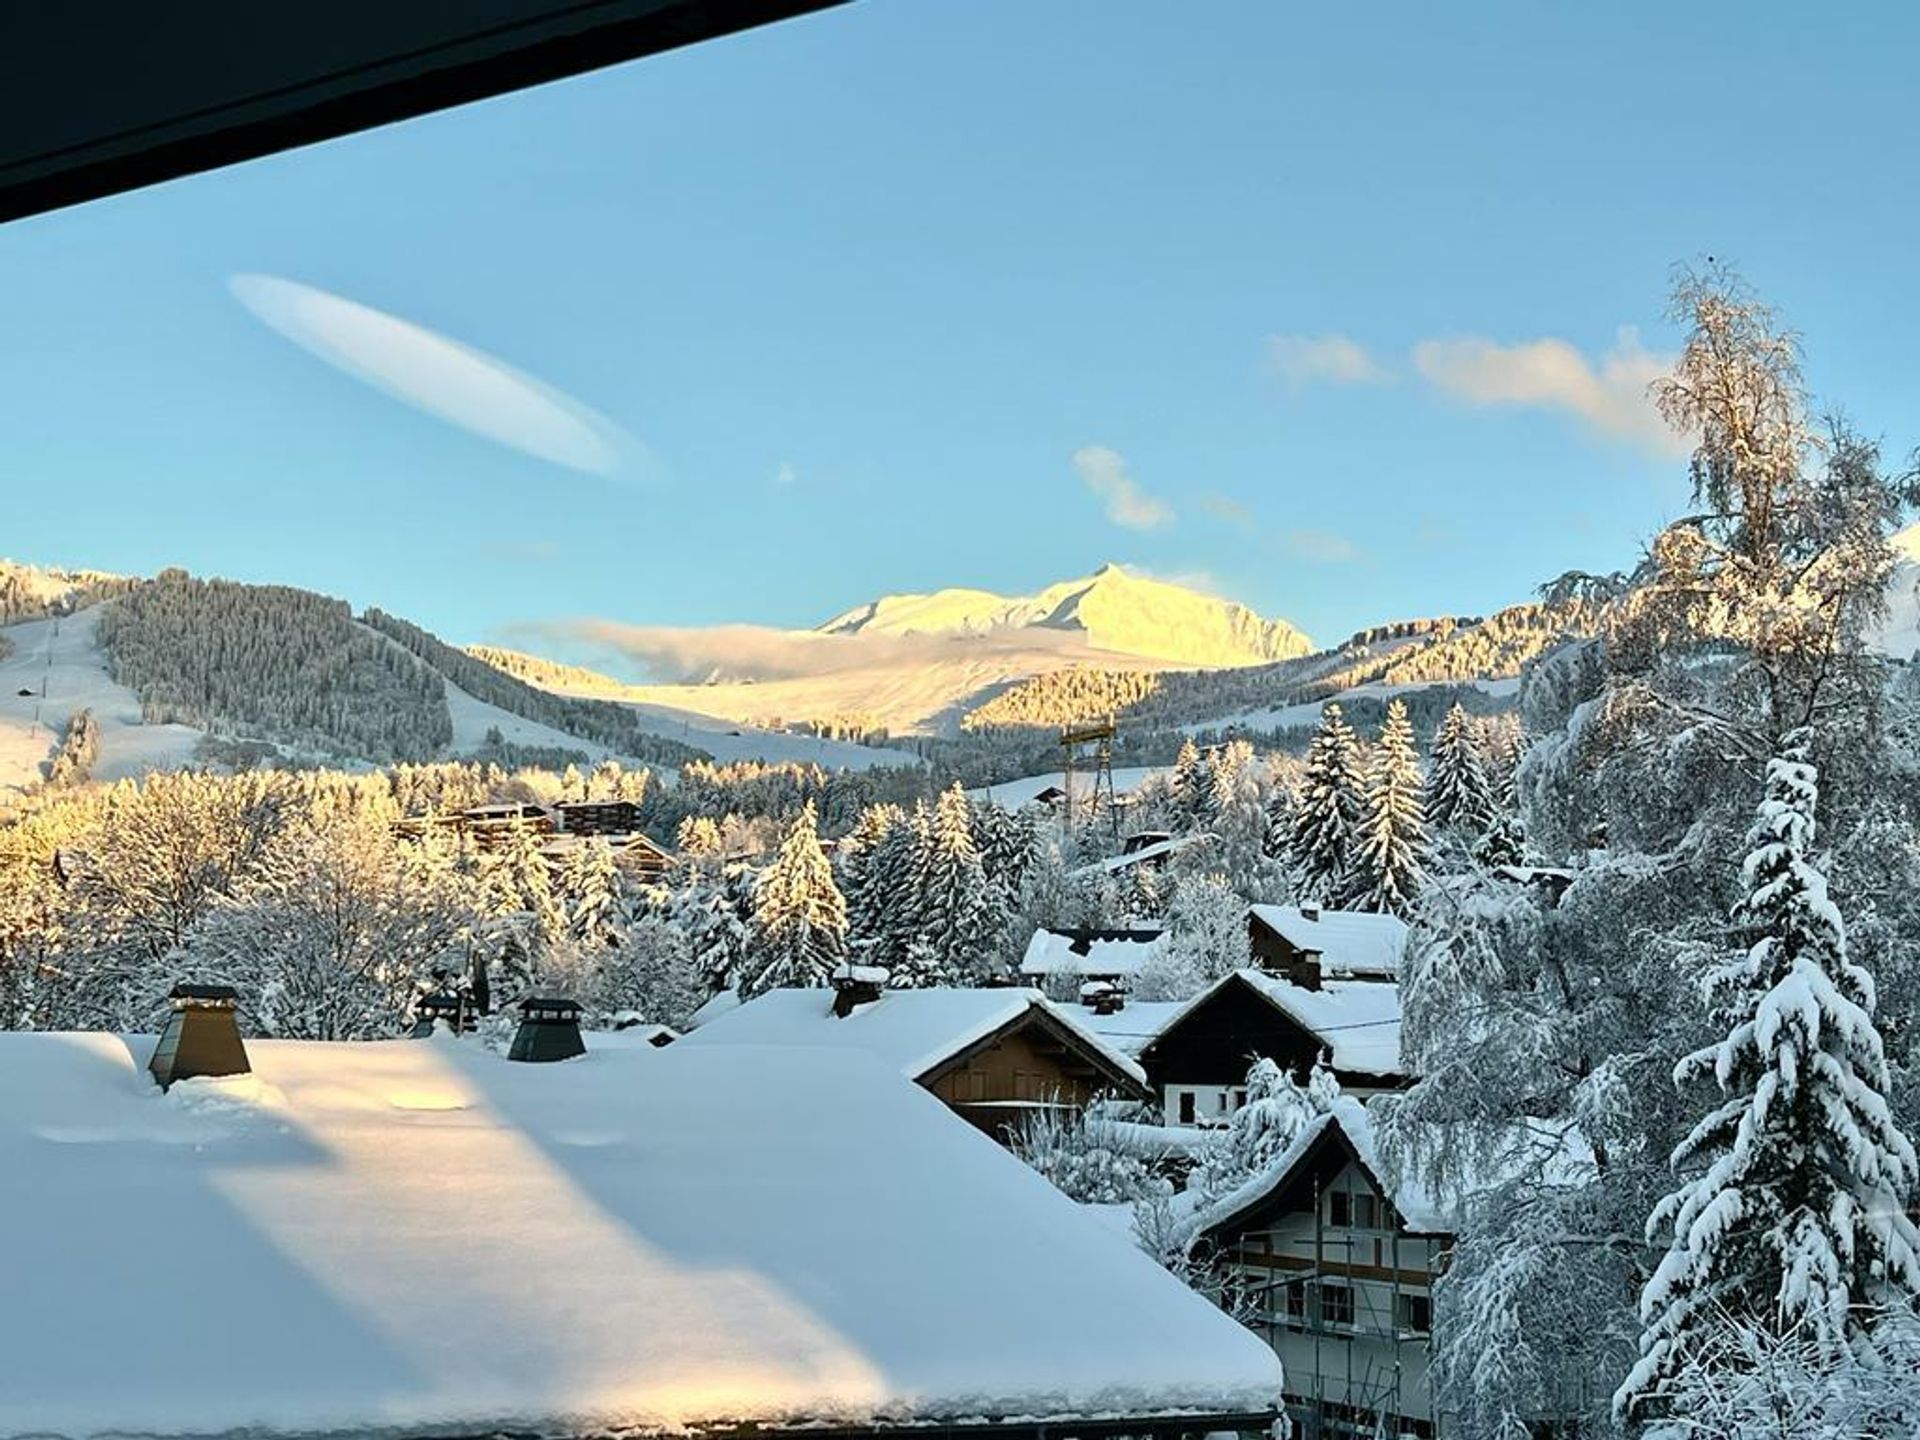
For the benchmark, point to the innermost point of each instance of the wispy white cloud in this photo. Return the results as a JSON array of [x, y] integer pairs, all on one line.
[[1320, 547], [1322, 360], [701, 654], [454, 382], [1105, 473], [784, 474], [1227, 509], [1313, 547], [1610, 397]]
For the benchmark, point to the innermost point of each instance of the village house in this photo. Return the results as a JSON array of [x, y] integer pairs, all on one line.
[[1333, 1261], [1306, 944], [993, 1055], [635, 854], [1335, 1270], [597, 817], [1198, 1060], [426, 1237]]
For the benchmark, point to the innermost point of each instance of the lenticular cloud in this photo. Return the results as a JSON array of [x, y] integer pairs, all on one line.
[[461, 385]]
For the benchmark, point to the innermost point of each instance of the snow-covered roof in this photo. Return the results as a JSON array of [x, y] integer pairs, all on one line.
[[1091, 952], [1145, 855], [1358, 1021], [419, 1236], [1132, 1027], [1417, 1208], [912, 1031], [1559, 1155], [1350, 942]]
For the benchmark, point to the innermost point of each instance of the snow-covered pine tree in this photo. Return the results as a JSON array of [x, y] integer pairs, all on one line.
[[1276, 1110], [699, 838], [587, 889], [1206, 938], [959, 913], [1501, 740], [1191, 798], [1794, 1210], [862, 874], [715, 913], [799, 920], [1328, 811], [1459, 792], [1389, 860], [890, 898]]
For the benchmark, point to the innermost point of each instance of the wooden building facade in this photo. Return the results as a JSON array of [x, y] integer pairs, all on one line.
[[1328, 1270], [1198, 1062], [1033, 1062]]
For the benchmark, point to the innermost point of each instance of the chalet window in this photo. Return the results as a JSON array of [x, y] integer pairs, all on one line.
[[1367, 1212], [1186, 1107], [1415, 1314], [1293, 1302], [1339, 1208], [1336, 1304], [1239, 1098]]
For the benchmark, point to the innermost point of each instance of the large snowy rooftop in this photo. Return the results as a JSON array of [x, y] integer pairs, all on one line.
[[910, 1030], [1348, 942], [421, 1236]]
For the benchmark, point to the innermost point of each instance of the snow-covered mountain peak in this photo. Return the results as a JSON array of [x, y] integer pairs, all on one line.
[[1117, 609]]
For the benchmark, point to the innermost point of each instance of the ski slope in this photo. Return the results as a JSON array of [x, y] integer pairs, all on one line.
[[60, 663]]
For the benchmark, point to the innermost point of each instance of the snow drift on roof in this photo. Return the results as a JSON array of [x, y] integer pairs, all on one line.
[[1090, 952], [406, 1235], [1349, 942], [910, 1030]]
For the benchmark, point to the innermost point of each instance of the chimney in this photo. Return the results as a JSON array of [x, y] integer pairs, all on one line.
[[549, 1030], [202, 1036], [454, 1009], [856, 985], [1309, 912], [1103, 997]]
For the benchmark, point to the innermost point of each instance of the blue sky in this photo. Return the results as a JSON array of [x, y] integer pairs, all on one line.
[[916, 293]]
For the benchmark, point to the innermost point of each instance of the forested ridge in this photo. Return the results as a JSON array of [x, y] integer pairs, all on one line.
[[284, 663]]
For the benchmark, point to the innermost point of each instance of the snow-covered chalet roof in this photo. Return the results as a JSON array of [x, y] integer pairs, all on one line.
[[1349, 942], [1145, 855], [1091, 952], [1558, 1155], [912, 1031], [1357, 1021], [422, 1237]]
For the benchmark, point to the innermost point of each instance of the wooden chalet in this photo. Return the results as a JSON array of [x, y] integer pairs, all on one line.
[[1198, 1061], [1335, 1271], [635, 854], [991, 1054], [1305, 943], [597, 817], [494, 826]]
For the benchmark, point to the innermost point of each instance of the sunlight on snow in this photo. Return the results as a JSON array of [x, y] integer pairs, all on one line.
[[585, 1291]]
